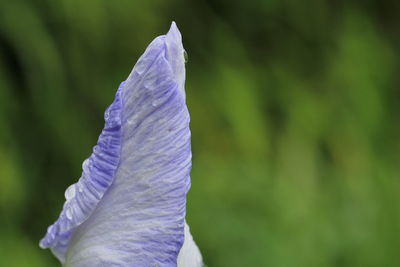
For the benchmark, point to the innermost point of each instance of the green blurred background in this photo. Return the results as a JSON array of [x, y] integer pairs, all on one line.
[[295, 111]]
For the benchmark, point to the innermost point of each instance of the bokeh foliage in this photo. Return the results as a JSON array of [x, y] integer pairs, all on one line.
[[295, 122]]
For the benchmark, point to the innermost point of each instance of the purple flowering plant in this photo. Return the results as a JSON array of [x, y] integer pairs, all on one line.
[[128, 207]]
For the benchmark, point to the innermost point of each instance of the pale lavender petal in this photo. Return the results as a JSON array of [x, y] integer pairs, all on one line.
[[174, 53], [128, 208]]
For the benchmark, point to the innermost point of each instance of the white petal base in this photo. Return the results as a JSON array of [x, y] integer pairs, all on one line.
[[189, 255]]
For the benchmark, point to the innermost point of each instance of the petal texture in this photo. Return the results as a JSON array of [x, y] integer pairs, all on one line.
[[128, 208], [98, 173]]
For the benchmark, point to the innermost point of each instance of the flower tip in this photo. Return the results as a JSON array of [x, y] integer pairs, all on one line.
[[174, 32], [173, 26], [175, 55]]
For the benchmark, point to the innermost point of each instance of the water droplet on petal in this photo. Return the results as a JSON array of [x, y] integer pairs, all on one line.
[[156, 102], [133, 119], [107, 114], [70, 192], [85, 165], [50, 229], [68, 214], [140, 66], [185, 56]]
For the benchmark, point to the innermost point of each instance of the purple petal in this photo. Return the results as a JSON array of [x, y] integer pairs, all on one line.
[[98, 174], [128, 208]]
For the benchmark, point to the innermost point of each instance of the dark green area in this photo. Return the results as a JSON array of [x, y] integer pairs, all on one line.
[[295, 110]]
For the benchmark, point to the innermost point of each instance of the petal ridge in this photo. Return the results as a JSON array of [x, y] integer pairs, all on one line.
[[98, 174]]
